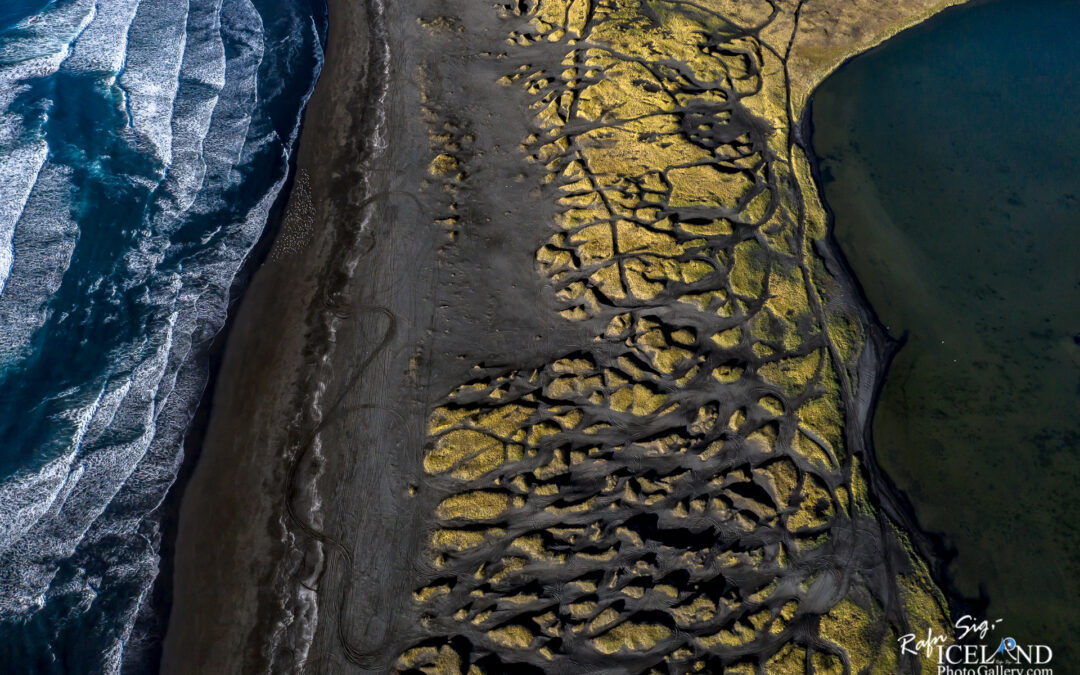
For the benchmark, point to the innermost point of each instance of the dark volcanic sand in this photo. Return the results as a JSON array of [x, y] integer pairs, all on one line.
[[951, 159], [412, 316]]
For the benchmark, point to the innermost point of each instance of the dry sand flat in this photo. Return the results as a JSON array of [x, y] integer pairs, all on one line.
[[566, 377]]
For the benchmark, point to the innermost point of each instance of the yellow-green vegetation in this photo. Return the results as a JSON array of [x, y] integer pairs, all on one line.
[[661, 490], [630, 637], [479, 505], [923, 602], [847, 620]]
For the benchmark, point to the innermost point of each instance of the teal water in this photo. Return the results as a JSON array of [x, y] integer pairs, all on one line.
[[951, 160]]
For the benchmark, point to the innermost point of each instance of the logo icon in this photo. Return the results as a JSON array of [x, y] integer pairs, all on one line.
[[1007, 645]]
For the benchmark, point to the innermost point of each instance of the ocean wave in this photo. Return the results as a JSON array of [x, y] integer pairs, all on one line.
[[202, 77], [43, 239], [19, 169], [31, 49], [102, 45], [151, 73], [118, 249]]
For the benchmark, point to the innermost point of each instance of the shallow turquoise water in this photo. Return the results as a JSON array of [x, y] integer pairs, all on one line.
[[951, 159]]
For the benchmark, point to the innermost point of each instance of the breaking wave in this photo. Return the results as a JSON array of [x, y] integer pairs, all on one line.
[[142, 145]]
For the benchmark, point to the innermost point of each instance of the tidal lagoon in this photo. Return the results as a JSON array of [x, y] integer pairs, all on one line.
[[949, 158]]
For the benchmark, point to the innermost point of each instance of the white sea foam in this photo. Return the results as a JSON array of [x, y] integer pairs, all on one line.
[[44, 239], [19, 169], [202, 77], [28, 496], [112, 433], [156, 42], [232, 118], [25, 498], [36, 50], [102, 45], [36, 42]]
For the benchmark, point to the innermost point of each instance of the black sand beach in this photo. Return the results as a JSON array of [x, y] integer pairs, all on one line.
[[408, 280], [376, 272]]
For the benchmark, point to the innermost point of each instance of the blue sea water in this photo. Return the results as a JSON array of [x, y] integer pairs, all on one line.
[[142, 145]]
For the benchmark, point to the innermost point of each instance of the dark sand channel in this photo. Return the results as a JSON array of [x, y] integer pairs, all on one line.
[[951, 159]]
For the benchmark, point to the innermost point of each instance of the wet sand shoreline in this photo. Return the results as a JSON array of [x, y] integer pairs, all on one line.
[[874, 363], [231, 538]]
